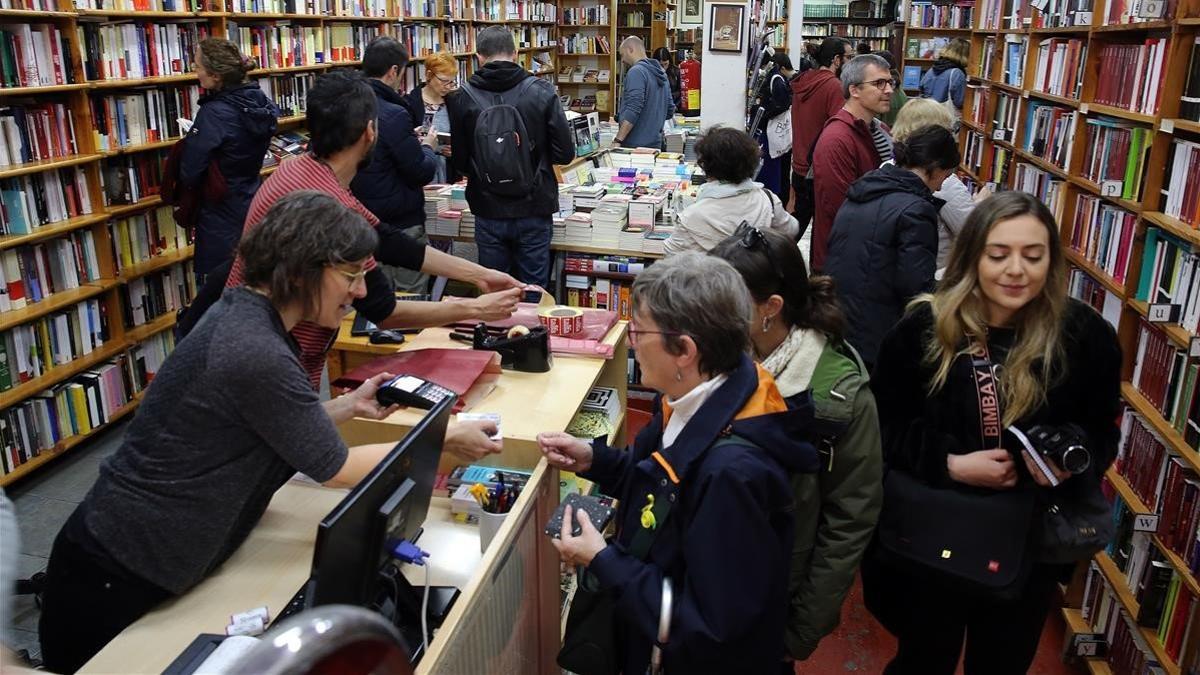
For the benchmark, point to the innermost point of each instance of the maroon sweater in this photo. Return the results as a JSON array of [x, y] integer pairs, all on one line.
[[844, 152], [816, 96]]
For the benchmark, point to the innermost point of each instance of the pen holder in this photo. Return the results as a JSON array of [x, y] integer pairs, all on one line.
[[489, 525]]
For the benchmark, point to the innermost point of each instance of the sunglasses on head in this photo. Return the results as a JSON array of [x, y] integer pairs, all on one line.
[[751, 238]]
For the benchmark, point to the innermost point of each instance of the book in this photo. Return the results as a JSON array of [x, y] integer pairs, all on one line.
[[912, 77]]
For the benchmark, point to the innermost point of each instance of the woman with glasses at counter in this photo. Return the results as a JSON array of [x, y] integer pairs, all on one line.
[[705, 498], [231, 416]]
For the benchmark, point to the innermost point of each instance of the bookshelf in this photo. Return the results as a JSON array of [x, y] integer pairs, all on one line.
[[82, 93], [588, 45], [1104, 135]]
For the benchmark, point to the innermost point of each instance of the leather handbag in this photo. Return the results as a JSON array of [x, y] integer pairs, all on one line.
[[977, 538], [1076, 529]]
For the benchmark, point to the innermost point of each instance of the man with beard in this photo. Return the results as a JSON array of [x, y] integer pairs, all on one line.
[[342, 113], [816, 96]]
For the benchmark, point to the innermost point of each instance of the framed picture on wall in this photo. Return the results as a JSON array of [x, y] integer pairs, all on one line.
[[726, 23], [693, 12]]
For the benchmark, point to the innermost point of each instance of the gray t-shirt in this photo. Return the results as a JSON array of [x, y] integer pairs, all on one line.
[[229, 418]]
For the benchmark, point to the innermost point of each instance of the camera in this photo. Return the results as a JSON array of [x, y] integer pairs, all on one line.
[[1063, 445]]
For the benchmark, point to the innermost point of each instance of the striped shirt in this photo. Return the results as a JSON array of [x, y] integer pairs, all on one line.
[[305, 172], [883, 142]]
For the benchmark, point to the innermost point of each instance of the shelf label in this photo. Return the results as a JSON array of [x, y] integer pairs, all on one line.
[[1145, 522], [1089, 644], [1111, 188], [1194, 348], [1167, 126], [1028, 21], [1025, 94], [997, 134], [1041, 6], [1083, 18], [1163, 312], [1152, 9], [1083, 108]]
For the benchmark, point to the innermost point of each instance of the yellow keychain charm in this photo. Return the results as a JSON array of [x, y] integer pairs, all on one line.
[[648, 521]]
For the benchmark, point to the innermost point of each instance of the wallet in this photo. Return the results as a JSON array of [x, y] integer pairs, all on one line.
[[598, 512]]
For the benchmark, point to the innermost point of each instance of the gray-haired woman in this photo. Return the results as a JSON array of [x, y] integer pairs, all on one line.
[[727, 542], [230, 418]]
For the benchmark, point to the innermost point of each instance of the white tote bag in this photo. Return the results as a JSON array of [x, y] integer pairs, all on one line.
[[779, 131]]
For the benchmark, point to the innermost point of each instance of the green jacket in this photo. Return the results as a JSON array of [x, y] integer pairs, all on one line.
[[836, 509], [899, 98]]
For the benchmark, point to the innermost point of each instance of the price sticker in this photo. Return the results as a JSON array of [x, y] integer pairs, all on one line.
[[1163, 312], [1028, 21], [1111, 188], [1025, 94], [1167, 126], [1194, 348], [1145, 522], [1083, 108]]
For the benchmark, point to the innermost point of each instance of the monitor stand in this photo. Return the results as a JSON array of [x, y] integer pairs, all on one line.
[[401, 603]]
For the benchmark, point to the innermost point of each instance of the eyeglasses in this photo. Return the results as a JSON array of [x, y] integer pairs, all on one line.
[[635, 333], [448, 81], [753, 238], [881, 83], [353, 278]]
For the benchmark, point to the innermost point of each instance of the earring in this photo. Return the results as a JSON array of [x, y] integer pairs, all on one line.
[[678, 375], [766, 324]]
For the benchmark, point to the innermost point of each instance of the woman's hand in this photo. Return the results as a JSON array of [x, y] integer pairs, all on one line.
[[360, 402], [471, 440], [578, 550], [993, 469], [1038, 476], [497, 306], [564, 451]]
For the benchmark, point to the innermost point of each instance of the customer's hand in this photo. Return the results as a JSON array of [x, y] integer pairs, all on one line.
[[362, 401], [578, 550], [1038, 476], [496, 306], [430, 138], [446, 151], [993, 469], [490, 281], [564, 451], [471, 441], [983, 194]]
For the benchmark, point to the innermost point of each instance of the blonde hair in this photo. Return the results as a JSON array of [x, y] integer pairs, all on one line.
[[958, 51], [921, 112], [1036, 355], [442, 64]]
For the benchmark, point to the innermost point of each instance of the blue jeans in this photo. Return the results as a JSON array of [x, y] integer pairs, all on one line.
[[518, 246]]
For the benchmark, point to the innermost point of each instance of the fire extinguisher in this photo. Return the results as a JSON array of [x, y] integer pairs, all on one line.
[[689, 84]]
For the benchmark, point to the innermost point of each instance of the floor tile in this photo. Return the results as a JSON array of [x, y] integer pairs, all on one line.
[[23, 639], [40, 519], [29, 565]]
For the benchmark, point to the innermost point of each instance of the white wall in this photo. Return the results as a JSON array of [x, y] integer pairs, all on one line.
[[795, 27], [723, 78]]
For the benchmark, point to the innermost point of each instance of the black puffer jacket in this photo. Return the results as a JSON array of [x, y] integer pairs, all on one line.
[[882, 252], [391, 186], [234, 127], [544, 121]]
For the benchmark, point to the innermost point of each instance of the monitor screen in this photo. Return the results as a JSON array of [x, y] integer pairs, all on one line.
[[353, 541]]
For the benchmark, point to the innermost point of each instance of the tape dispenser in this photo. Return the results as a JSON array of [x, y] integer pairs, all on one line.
[[520, 348]]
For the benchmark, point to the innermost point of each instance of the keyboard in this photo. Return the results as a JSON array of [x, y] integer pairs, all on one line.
[[297, 604]]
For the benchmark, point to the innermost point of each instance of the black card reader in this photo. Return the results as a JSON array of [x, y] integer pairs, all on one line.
[[411, 391]]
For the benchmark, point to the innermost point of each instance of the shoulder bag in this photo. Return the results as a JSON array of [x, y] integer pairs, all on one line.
[[975, 538]]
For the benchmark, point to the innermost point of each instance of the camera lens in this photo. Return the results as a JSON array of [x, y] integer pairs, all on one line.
[[1076, 459]]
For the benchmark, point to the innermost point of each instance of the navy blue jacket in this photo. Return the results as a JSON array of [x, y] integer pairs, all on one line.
[[882, 252], [726, 544], [234, 127], [392, 185]]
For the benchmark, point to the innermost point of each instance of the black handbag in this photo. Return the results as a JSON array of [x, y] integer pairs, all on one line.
[[1076, 529], [978, 539]]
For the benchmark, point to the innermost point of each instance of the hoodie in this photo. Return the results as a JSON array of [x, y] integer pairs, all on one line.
[[882, 252], [727, 542], [816, 96], [545, 123], [233, 129], [646, 104], [719, 208], [944, 81]]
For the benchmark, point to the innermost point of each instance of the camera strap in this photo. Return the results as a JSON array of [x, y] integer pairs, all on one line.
[[987, 393]]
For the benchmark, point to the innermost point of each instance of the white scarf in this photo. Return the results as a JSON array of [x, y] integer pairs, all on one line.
[[795, 359]]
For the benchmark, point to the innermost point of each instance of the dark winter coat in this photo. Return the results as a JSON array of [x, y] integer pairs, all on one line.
[[775, 97], [544, 121], [392, 185], [882, 252], [727, 542], [234, 127]]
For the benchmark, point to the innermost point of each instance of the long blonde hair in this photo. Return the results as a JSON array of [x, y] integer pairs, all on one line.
[[1036, 355]]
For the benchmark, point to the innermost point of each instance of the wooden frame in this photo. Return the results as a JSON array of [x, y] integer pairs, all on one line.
[[692, 13], [726, 28]]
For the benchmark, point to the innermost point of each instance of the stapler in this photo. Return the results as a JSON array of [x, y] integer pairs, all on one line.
[[528, 352]]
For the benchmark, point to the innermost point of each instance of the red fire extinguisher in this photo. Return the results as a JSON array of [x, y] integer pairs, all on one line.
[[689, 84]]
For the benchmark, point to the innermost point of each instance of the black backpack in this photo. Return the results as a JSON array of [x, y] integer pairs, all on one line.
[[502, 157]]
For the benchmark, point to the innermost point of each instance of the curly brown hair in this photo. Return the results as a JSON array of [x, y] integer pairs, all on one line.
[[223, 59], [727, 154]]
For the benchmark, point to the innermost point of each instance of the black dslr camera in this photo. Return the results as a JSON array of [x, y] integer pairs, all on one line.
[[1062, 444]]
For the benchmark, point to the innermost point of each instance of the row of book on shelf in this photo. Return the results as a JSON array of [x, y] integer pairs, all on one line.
[[583, 74], [1018, 14], [85, 402], [36, 200], [929, 15]]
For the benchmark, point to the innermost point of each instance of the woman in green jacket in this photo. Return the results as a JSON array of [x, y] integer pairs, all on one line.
[[797, 336]]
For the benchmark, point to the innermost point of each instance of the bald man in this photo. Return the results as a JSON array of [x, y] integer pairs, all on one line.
[[646, 102]]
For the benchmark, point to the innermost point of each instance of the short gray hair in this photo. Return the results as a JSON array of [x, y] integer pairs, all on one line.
[[495, 41], [702, 297], [855, 70]]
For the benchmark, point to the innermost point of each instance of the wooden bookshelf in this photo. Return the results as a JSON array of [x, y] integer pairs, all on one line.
[[1076, 625]]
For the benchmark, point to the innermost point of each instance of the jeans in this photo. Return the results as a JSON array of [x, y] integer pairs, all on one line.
[[517, 246]]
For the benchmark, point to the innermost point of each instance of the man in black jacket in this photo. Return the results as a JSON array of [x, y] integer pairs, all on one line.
[[392, 184], [513, 233]]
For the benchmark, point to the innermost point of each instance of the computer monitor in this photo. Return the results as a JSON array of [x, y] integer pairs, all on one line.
[[355, 539]]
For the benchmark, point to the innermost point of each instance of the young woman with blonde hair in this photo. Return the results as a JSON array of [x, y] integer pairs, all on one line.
[[1000, 315]]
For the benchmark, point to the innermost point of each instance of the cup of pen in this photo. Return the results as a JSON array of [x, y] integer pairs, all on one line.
[[494, 505]]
